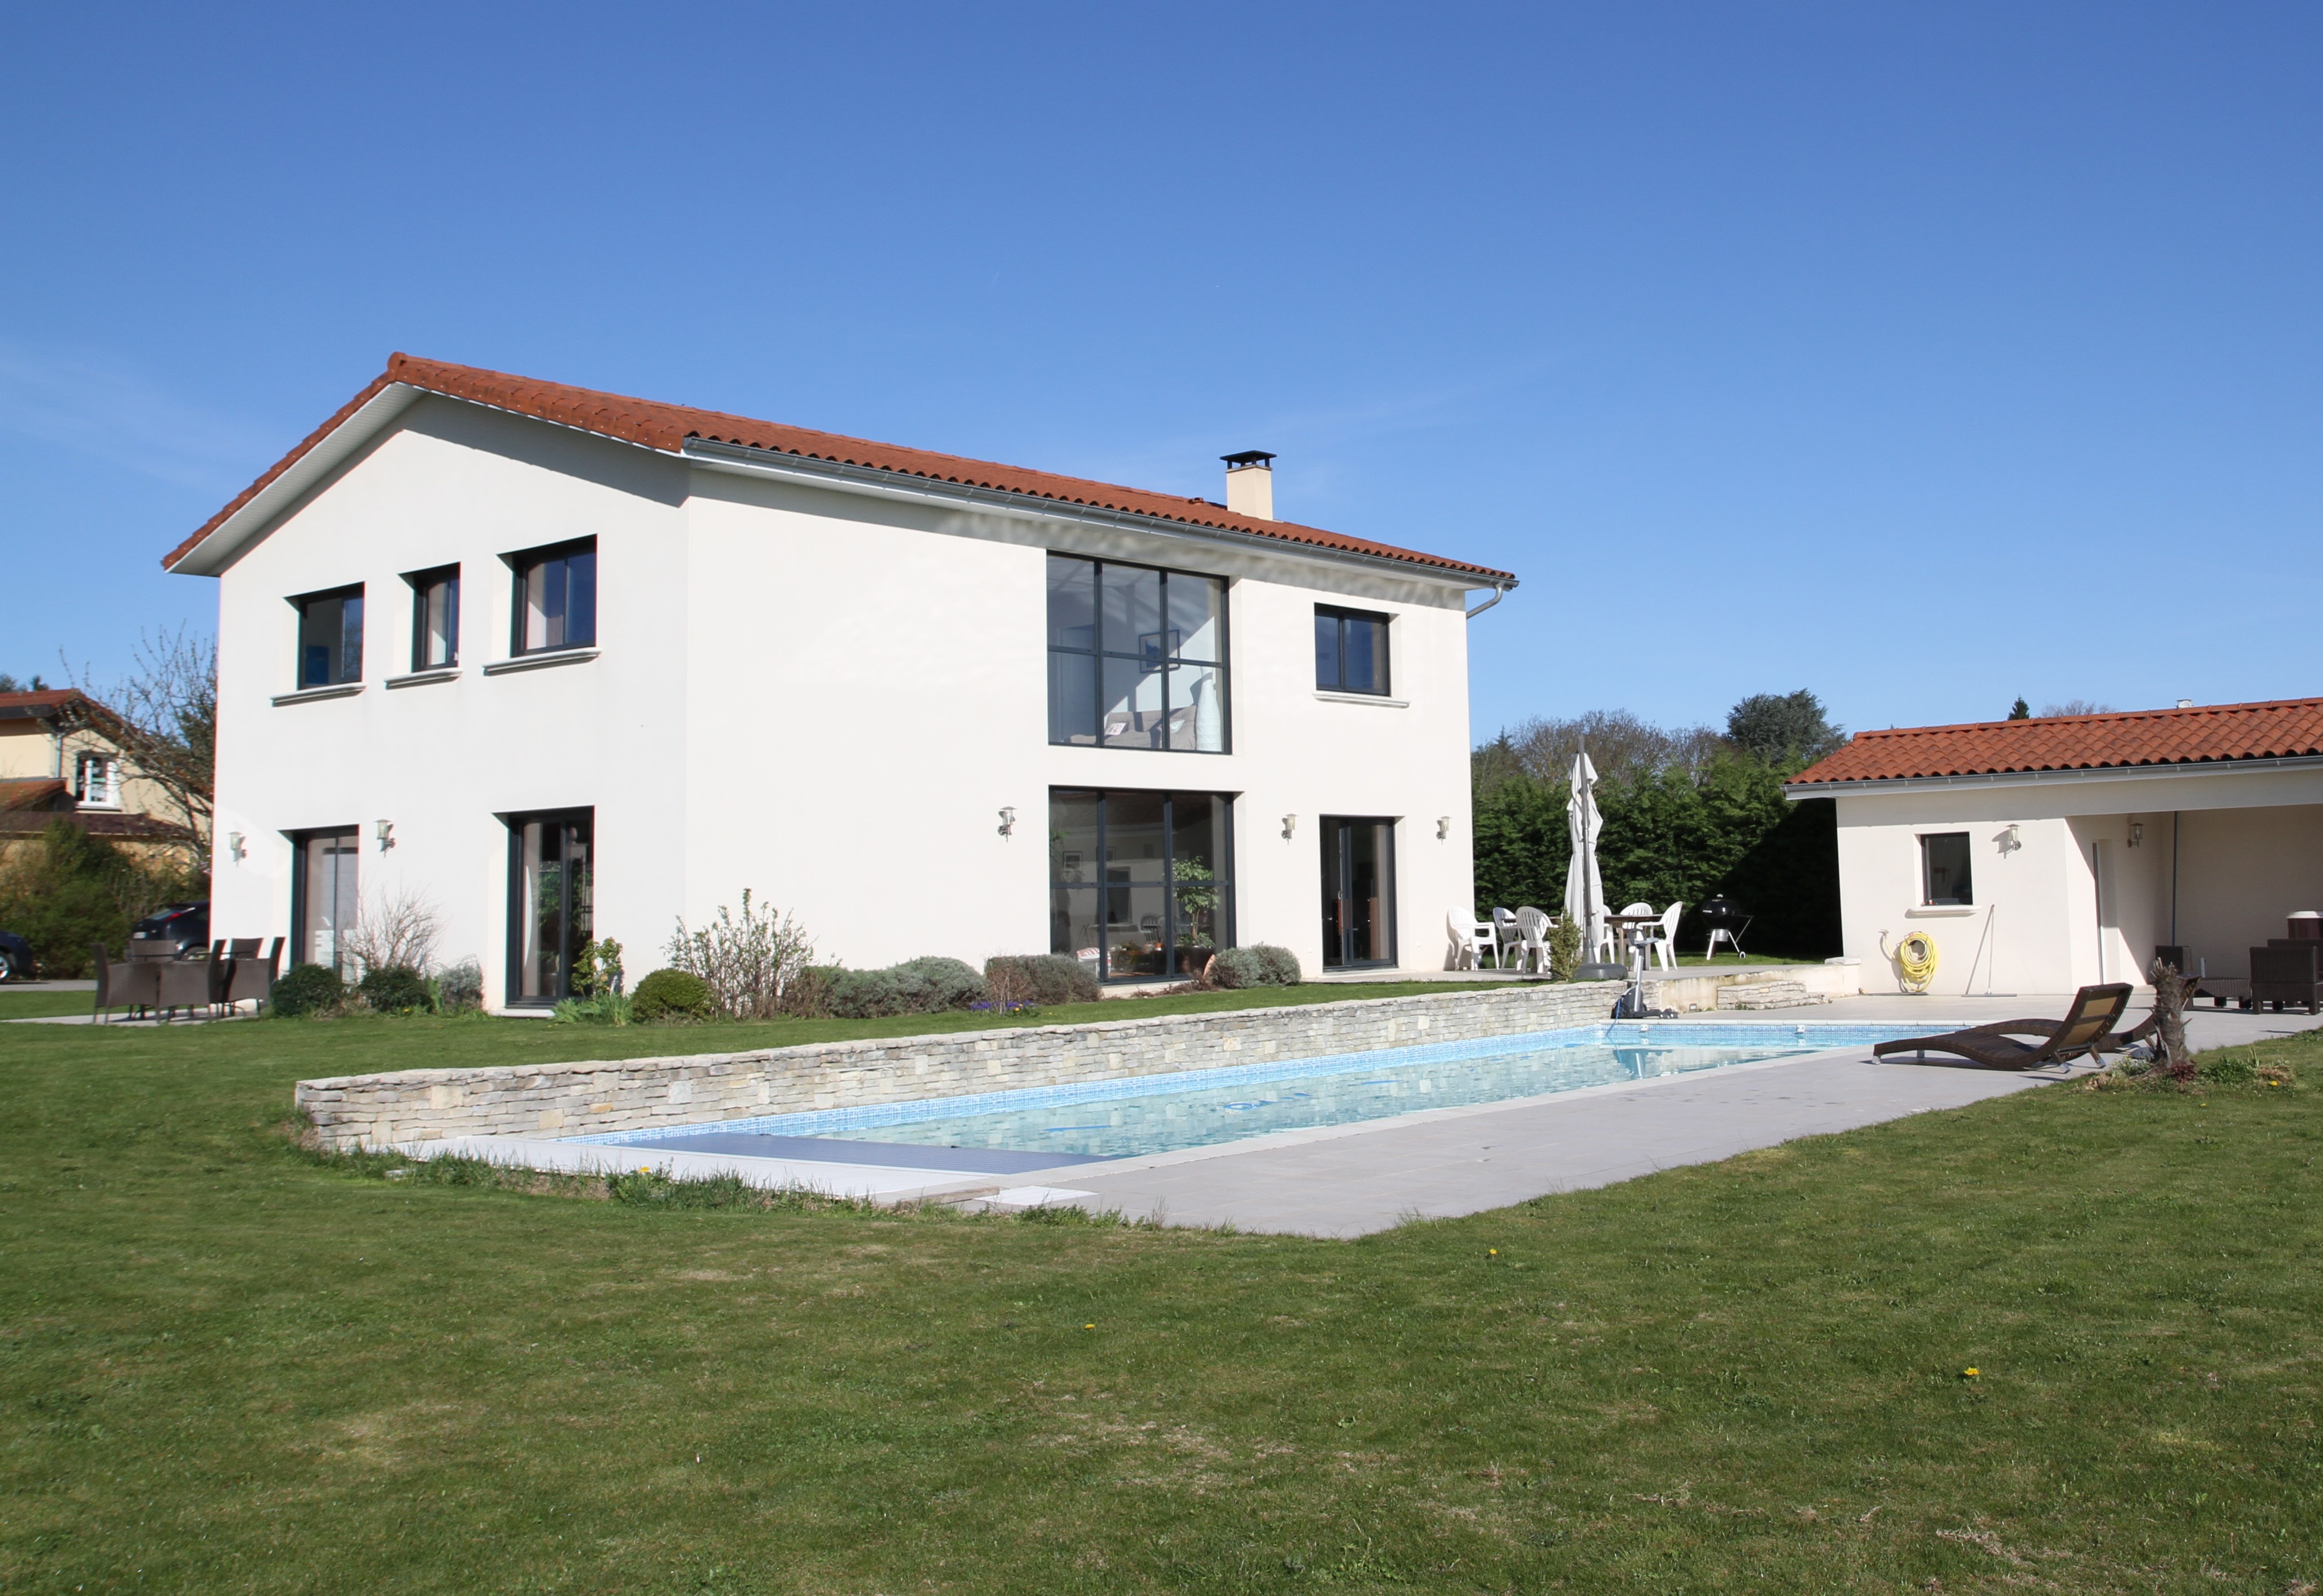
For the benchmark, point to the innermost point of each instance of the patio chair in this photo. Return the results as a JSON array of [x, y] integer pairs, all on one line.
[[2087, 1028], [133, 984], [2287, 970], [1475, 942], [1665, 940], [1533, 927], [252, 979], [1506, 937]]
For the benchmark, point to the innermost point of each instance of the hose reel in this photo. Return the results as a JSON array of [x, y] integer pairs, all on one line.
[[1916, 961]]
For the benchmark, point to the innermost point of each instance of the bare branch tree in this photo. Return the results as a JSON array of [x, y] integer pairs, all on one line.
[[164, 717], [393, 929], [1621, 747]]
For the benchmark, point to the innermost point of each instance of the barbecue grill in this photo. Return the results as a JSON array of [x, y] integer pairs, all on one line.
[[1724, 923]]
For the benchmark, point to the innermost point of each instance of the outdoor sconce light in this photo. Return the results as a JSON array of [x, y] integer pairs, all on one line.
[[386, 835], [1443, 827], [234, 845], [1290, 824], [2137, 833], [2011, 840], [1008, 822]]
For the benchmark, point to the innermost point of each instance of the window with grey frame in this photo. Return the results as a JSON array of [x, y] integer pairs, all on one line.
[[1141, 885], [1944, 869], [330, 637], [1137, 658], [556, 597], [435, 618], [1350, 651]]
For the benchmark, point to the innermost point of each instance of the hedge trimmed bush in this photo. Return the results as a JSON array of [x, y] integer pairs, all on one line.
[[673, 995], [1262, 964], [395, 989], [1051, 979], [307, 989], [917, 986], [1282, 964]]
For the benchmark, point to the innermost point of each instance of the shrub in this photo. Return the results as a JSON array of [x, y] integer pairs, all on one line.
[[927, 985], [1045, 978], [461, 987], [394, 989], [1282, 964], [748, 961], [866, 994], [1563, 949], [608, 1007], [308, 991], [1237, 968], [69, 891], [673, 996], [2227, 1070], [598, 967], [808, 994]]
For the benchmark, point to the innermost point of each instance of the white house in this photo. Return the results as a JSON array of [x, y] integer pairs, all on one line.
[[2049, 854], [560, 663]]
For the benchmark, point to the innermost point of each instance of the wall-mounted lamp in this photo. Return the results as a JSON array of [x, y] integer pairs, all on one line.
[[2010, 840], [1007, 822], [1290, 824], [233, 842], [386, 835], [1443, 827], [2137, 833]]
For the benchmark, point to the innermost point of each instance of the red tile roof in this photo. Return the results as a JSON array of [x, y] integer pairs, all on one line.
[[18, 705], [668, 426], [2213, 733], [36, 792]]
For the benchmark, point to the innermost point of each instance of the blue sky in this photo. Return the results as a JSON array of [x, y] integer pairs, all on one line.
[[1921, 355]]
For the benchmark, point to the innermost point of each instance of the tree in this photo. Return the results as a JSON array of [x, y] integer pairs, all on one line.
[[2076, 706], [9, 683], [164, 719], [2020, 709], [1782, 729], [1621, 748]]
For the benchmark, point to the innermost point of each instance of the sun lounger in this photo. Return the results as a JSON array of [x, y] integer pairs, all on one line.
[[2087, 1028]]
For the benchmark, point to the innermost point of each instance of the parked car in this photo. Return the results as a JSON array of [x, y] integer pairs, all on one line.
[[184, 926], [15, 957]]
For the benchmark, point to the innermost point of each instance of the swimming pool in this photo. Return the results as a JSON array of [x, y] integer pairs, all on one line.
[[1040, 1127]]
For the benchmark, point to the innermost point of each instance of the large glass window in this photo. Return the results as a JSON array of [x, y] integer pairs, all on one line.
[[552, 867], [435, 618], [556, 597], [1943, 868], [1358, 892], [324, 901], [1350, 651], [330, 637], [1141, 884], [1137, 658]]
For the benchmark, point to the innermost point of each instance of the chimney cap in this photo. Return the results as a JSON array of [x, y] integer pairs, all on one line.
[[1248, 457]]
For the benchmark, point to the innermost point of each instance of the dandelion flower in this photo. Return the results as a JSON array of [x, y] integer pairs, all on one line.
[[1089, 1326], [1971, 1373], [1492, 1251]]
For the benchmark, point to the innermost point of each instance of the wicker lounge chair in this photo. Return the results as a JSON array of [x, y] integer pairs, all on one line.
[[2087, 1028]]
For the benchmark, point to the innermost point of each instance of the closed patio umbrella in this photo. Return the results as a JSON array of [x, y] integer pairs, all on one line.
[[1584, 890]]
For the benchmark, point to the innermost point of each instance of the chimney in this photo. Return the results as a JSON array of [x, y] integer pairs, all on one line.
[[1250, 483]]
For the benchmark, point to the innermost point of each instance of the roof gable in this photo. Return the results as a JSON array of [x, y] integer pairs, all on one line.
[[2284, 728], [668, 428]]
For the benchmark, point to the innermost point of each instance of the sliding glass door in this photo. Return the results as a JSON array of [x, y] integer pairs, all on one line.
[[1358, 893], [552, 868], [1141, 885], [324, 901]]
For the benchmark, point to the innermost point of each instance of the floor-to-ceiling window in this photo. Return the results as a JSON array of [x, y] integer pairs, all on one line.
[[552, 866], [1141, 884], [1137, 658], [1358, 892], [323, 899]]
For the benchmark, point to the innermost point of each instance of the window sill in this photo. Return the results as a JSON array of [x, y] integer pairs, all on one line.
[[422, 678], [307, 695], [1329, 697], [540, 661], [1940, 911]]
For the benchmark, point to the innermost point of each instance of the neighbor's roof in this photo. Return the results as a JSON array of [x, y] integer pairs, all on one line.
[[45, 705], [667, 427], [2212, 734], [36, 793]]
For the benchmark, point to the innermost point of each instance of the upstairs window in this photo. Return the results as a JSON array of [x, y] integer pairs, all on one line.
[[96, 780], [435, 618], [1350, 651], [556, 597], [330, 637], [1137, 658], [1943, 868]]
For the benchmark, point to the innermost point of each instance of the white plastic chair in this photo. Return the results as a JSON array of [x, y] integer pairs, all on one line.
[[1506, 937], [1476, 942], [1665, 940], [1533, 927]]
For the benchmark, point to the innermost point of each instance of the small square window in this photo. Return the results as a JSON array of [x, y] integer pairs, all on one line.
[[330, 637], [1350, 651], [1944, 869], [435, 618], [96, 780], [556, 597]]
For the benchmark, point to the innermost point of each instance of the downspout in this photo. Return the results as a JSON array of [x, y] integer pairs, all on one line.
[[2175, 816], [1500, 591]]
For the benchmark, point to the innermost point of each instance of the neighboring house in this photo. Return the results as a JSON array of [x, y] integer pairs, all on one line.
[[561, 663], [61, 754], [2049, 854]]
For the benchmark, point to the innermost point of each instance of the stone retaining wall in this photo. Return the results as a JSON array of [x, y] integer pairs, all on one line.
[[631, 1094]]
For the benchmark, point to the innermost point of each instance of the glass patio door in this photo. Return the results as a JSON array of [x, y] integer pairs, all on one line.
[[1358, 893], [324, 901], [552, 872]]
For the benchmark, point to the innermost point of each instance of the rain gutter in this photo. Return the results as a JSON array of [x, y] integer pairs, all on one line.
[[2031, 778]]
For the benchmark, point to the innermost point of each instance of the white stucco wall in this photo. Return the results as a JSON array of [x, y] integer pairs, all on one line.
[[2248, 851], [827, 697]]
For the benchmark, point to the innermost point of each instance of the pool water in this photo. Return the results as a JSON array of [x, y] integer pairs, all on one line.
[[1109, 1119]]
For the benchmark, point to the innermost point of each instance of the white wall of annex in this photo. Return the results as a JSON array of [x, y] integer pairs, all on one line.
[[460, 483]]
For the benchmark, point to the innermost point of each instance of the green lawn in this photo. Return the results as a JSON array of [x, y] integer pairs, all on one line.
[[227, 1365], [30, 1005]]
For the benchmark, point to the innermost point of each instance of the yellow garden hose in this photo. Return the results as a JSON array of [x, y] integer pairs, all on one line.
[[1916, 961]]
